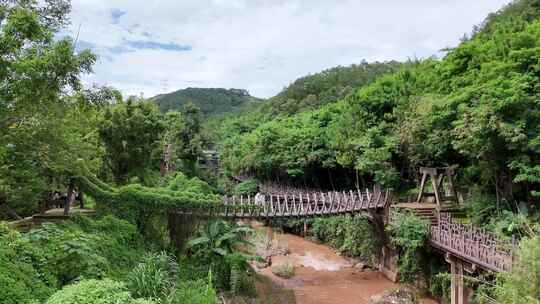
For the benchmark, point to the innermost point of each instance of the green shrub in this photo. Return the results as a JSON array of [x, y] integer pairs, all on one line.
[[216, 244], [509, 224], [522, 285], [192, 269], [240, 277], [69, 252], [352, 236], [155, 277], [247, 187], [409, 234], [480, 208], [85, 248], [196, 292], [120, 230], [439, 286], [20, 282], [505, 218], [182, 183], [329, 231], [34, 264], [21, 278], [285, 270], [95, 292]]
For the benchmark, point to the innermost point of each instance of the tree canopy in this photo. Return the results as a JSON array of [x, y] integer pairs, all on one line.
[[211, 101], [131, 133], [43, 128]]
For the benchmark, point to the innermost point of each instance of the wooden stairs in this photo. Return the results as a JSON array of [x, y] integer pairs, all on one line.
[[429, 212]]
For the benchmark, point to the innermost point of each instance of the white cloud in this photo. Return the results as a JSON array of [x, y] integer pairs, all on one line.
[[260, 45]]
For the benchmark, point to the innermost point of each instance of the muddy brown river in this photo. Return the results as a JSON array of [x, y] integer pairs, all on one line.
[[322, 276]]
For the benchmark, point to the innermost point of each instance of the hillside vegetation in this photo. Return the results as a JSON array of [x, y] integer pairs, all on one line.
[[304, 94], [211, 101], [321, 88], [478, 108]]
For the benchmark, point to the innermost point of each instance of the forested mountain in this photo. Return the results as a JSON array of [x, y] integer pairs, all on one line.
[[304, 94], [211, 101], [330, 85], [478, 107]]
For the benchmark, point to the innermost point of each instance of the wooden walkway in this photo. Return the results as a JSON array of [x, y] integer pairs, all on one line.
[[472, 245], [306, 204], [52, 215], [290, 204]]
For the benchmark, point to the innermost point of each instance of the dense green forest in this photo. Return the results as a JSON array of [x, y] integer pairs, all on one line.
[[211, 101], [477, 108]]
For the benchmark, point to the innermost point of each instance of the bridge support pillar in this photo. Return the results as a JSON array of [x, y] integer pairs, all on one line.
[[388, 264], [459, 294]]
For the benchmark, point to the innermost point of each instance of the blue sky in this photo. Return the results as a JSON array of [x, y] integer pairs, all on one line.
[[155, 46]]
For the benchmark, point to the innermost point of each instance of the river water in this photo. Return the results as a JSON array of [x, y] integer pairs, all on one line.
[[322, 276]]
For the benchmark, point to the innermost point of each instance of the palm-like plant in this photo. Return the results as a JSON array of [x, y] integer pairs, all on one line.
[[217, 243], [218, 239]]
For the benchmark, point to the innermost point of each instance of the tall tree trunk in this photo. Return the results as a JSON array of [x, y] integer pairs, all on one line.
[[81, 199], [331, 180], [70, 197], [46, 203]]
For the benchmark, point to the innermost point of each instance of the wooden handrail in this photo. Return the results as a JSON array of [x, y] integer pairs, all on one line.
[[472, 244], [299, 204]]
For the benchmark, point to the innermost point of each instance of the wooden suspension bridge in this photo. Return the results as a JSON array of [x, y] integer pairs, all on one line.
[[465, 247], [472, 245], [297, 203]]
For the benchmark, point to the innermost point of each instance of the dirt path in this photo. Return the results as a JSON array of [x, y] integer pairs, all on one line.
[[324, 277]]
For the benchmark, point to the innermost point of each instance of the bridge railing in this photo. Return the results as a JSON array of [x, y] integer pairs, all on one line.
[[472, 244], [305, 204], [292, 205], [273, 188]]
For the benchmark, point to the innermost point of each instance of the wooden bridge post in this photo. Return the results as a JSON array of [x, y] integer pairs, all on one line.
[[458, 294]]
